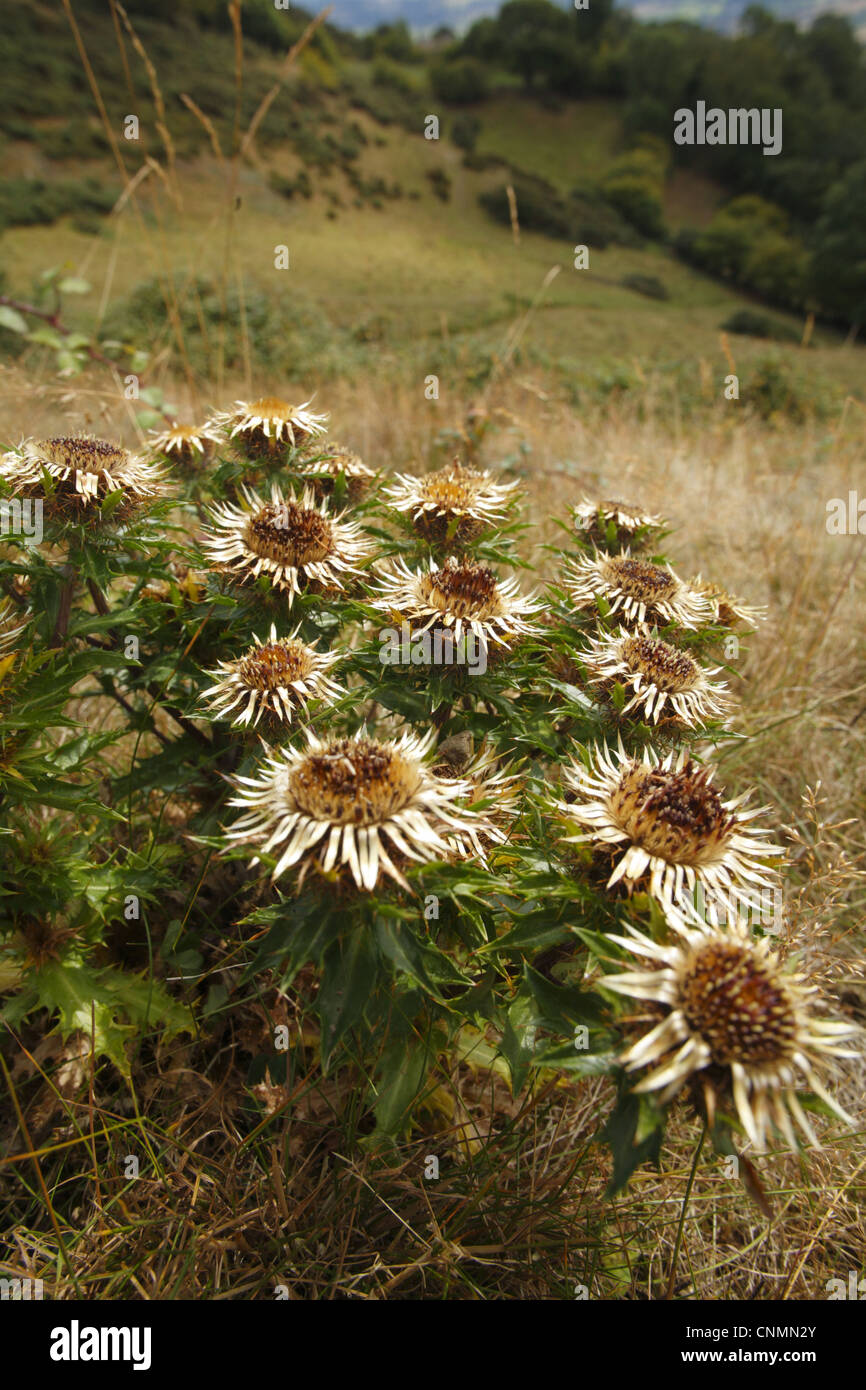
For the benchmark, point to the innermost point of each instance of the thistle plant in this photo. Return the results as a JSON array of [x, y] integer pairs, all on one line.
[[261, 706]]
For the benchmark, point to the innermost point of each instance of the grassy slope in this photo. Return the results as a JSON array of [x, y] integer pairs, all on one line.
[[422, 269]]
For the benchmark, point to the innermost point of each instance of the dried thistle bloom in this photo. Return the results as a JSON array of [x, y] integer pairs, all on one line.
[[461, 597], [10, 629], [278, 675], [724, 608], [594, 520], [291, 540], [268, 425], [666, 827], [454, 505], [320, 465], [494, 788], [355, 806], [734, 1020], [187, 443], [637, 590], [664, 680], [83, 473]]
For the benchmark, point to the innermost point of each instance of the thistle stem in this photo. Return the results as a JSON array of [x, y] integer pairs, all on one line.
[[679, 1239], [64, 609]]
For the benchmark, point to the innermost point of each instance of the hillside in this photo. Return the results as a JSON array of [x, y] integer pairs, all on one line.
[[392, 257]]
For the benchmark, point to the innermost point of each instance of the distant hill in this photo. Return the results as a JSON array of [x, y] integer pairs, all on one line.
[[725, 14], [423, 16]]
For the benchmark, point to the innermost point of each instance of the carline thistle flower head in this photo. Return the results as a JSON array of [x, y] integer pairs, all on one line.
[[82, 472], [638, 591], [292, 540], [734, 1020], [461, 596], [494, 788], [188, 443], [357, 807], [322, 462], [725, 609], [268, 425], [665, 827], [665, 683], [456, 504], [594, 520], [10, 629], [277, 675]]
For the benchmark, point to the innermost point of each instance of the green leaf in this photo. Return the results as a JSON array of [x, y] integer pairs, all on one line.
[[561, 1006], [48, 336], [632, 1114], [349, 972], [297, 935], [73, 284], [417, 958], [10, 318], [533, 932], [518, 1039], [401, 1076], [107, 1005]]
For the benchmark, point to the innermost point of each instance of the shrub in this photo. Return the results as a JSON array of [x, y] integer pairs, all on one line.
[[479, 162], [290, 188], [27, 202], [440, 182], [465, 131], [752, 324], [460, 81], [389, 74], [772, 388], [584, 216], [639, 203], [647, 285]]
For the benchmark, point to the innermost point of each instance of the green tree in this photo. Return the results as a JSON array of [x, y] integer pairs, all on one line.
[[838, 269], [461, 80]]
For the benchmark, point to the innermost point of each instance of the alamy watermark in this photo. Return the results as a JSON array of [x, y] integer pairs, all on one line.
[[22, 517], [403, 647], [757, 907], [17, 1290], [846, 517], [736, 126]]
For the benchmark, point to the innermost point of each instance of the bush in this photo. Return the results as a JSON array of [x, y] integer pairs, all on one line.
[[283, 334], [746, 242], [638, 202], [777, 268], [290, 188], [76, 139], [465, 132], [752, 324], [773, 389], [479, 162], [389, 74], [440, 181], [28, 202], [584, 216], [647, 285], [460, 81]]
